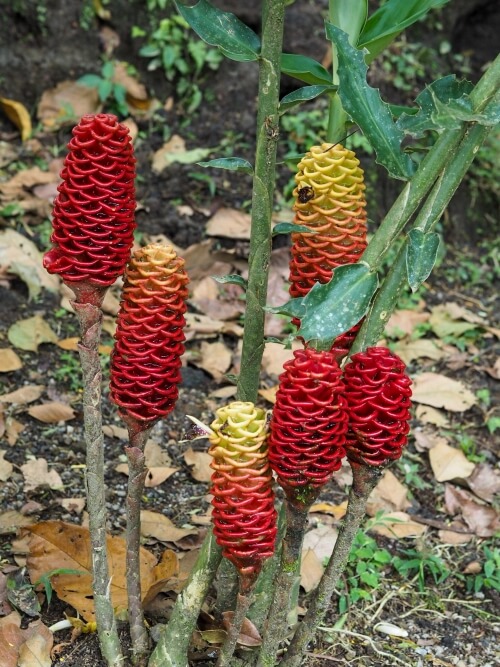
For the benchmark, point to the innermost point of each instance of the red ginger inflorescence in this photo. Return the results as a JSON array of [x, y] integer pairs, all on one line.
[[93, 218], [309, 423], [330, 201], [244, 517], [145, 364], [378, 394]]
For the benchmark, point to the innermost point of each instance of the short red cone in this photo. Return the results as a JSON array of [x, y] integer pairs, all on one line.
[[378, 394]]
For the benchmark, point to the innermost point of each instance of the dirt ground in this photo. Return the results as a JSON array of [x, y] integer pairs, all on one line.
[[445, 623]]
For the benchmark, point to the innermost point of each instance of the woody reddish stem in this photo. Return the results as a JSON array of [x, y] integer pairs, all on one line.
[[90, 318], [137, 472], [242, 604], [365, 479]]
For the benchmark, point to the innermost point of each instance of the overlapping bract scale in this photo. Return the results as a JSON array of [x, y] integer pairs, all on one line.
[[244, 517], [378, 394], [309, 422], [145, 364], [93, 218]]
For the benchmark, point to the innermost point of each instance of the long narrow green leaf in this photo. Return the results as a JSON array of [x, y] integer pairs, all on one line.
[[384, 25], [222, 29], [367, 109]]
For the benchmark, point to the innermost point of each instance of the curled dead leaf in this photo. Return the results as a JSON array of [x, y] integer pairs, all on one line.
[[26, 394], [9, 361], [52, 413], [36, 473], [440, 391], [30, 333], [159, 527], [200, 462], [18, 114], [449, 463]]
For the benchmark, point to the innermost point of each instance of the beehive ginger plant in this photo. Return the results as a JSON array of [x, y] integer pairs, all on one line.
[[341, 395]]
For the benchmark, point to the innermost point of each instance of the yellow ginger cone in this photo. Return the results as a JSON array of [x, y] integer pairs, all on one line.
[[330, 200], [244, 517]]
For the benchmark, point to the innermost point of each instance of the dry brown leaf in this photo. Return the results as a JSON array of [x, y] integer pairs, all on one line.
[[13, 429], [451, 537], [18, 114], [21, 257], [159, 527], [403, 322], [249, 635], [269, 394], [71, 344], [418, 349], [337, 511], [440, 391], [35, 650], [200, 462], [36, 473], [9, 361], [165, 575], [155, 476], [311, 570], [75, 505], [215, 359], [26, 394], [6, 467], [55, 544], [155, 456], [198, 326], [66, 103], [425, 440], [275, 355], [321, 540], [389, 495], [224, 392], [11, 521], [137, 95], [402, 527], [484, 482], [221, 302], [25, 180], [481, 519], [30, 333], [449, 463], [175, 151], [343, 477], [429, 415], [52, 413], [229, 223]]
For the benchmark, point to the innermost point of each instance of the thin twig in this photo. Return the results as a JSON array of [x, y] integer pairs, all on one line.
[[365, 638]]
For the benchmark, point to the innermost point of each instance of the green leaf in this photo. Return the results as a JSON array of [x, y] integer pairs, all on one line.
[[441, 103], [222, 29], [104, 89], [108, 69], [291, 228], [385, 24], [421, 253], [230, 163], [370, 579], [149, 51], [90, 80], [305, 69], [331, 309], [350, 16], [303, 95], [367, 108], [233, 279]]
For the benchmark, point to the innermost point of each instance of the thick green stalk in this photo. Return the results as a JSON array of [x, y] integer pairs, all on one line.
[[430, 213], [364, 480], [174, 640], [429, 170], [90, 319], [262, 198]]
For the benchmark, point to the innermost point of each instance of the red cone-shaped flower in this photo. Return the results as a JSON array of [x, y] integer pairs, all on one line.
[[145, 364], [93, 218], [309, 423], [244, 517], [378, 395]]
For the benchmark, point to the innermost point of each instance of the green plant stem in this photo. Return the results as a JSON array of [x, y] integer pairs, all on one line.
[[429, 170], [227, 651], [364, 480], [226, 585], [277, 622], [90, 319], [174, 640], [445, 187], [137, 472], [262, 198]]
